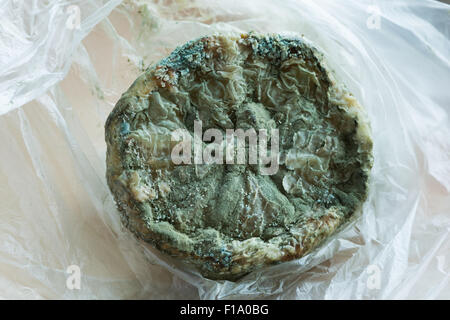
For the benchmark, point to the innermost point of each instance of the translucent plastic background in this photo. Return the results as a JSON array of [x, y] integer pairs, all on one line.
[[63, 66]]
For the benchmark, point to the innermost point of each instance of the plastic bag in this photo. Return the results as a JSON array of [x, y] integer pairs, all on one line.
[[64, 66]]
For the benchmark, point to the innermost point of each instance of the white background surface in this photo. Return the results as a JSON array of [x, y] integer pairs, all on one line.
[[59, 83]]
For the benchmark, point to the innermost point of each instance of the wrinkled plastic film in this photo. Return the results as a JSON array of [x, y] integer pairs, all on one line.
[[57, 210]]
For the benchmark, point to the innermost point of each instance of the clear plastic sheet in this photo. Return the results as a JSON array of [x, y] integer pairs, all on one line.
[[65, 64]]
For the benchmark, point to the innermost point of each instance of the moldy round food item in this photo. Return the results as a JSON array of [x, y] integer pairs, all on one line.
[[229, 219]]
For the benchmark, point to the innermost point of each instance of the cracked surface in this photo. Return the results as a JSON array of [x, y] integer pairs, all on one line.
[[228, 220]]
